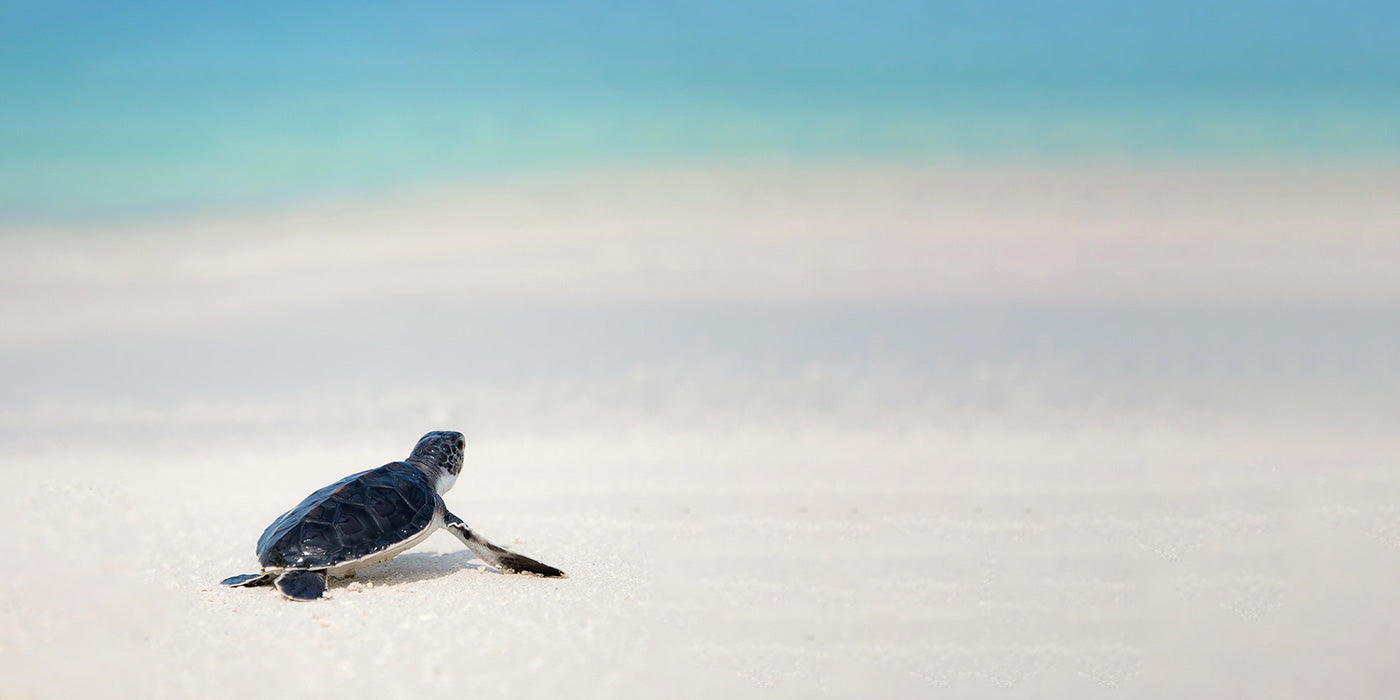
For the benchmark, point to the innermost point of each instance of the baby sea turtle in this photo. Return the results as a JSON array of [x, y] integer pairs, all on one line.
[[370, 517]]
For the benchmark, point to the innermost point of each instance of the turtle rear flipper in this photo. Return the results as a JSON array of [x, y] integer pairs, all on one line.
[[302, 584], [247, 580], [502, 559]]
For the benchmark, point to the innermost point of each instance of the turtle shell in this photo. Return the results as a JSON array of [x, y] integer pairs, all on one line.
[[353, 518]]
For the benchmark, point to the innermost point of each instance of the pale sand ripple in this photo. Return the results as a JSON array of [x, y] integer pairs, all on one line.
[[842, 432], [942, 578]]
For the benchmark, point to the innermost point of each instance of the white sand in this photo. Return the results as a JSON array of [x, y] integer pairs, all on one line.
[[848, 432]]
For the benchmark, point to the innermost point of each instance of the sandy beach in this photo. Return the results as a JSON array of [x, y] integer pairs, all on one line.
[[848, 431]]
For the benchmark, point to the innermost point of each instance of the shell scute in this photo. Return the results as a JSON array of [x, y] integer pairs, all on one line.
[[384, 502], [350, 523]]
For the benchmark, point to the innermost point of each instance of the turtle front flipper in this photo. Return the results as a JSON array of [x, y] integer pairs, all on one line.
[[502, 559], [301, 584], [247, 580]]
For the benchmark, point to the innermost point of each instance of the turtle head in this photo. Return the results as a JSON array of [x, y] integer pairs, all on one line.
[[439, 453]]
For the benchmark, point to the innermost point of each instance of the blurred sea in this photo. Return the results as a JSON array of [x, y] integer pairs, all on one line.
[[143, 108]]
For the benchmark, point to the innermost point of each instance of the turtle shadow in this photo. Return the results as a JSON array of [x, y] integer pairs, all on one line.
[[417, 566]]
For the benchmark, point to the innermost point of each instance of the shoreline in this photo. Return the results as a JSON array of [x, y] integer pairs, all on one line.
[[1215, 237]]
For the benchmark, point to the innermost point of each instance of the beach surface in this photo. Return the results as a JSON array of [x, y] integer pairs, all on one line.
[[792, 432]]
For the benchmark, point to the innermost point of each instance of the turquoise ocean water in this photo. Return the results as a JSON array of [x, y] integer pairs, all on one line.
[[132, 108]]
